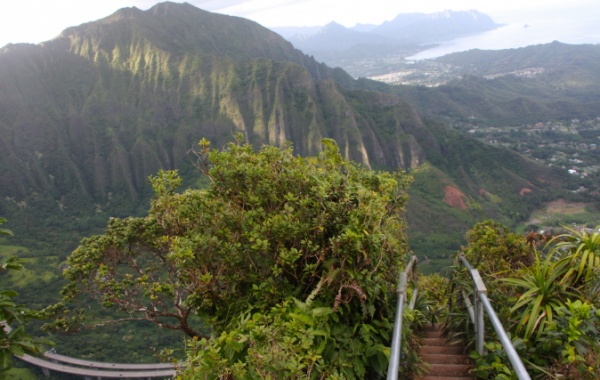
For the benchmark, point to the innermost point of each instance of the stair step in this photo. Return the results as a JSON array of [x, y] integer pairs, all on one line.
[[432, 334], [445, 359], [443, 350], [449, 370], [428, 377], [432, 327], [434, 341]]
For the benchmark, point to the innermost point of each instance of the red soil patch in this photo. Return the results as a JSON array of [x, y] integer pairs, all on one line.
[[525, 190], [454, 197]]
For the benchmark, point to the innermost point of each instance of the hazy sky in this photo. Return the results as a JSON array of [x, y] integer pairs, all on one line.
[[35, 21]]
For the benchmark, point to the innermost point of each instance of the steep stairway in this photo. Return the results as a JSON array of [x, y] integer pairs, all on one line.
[[446, 361]]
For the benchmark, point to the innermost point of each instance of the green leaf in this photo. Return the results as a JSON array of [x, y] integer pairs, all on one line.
[[321, 311], [16, 349]]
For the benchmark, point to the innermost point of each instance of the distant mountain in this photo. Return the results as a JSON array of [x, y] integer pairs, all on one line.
[[364, 27], [87, 117], [406, 32], [336, 37], [435, 27], [288, 32]]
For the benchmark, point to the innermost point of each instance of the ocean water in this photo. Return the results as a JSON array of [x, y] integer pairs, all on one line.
[[580, 30]]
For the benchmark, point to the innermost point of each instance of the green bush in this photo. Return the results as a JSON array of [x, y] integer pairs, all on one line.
[[272, 227]]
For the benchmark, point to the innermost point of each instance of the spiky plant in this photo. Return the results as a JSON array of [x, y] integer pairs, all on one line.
[[583, 252], [543, 293]]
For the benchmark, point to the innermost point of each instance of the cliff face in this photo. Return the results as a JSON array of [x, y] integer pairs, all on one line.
[[108, 103]]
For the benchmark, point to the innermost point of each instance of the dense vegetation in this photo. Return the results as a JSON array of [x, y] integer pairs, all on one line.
[[284, 257], [87, 117], [571, 145], [14, 340], [545, 290]]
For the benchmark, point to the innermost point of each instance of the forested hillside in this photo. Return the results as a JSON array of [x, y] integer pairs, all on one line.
[[525, 85], [87, 117]]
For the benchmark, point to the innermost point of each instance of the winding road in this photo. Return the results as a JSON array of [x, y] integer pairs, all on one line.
[[98, 370]]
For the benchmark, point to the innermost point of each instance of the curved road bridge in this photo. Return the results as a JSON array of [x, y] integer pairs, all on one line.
[[99, 370]]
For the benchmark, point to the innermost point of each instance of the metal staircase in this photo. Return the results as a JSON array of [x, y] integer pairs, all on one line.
[[443, 358], [444, 361]]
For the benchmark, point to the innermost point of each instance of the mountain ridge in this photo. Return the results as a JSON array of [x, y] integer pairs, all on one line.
[[146, 70], [406, 32], [179, 28], [91, 114], [435, 27]]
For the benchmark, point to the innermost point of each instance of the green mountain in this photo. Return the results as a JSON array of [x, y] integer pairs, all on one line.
[[87, 117], [530, 84]]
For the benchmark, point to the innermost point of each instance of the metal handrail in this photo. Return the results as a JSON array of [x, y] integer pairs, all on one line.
[[395, 349], [481, 303]]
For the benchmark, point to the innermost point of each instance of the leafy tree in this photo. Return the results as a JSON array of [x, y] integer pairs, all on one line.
[[14, 340], [496, 253], [494, 250], [273, 231]]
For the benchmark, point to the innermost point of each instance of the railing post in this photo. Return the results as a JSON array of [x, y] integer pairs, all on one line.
[[476, 308], [470, 308], [412, 267], [482, 304], [479, 289], [413, 299], [480, 325], [395, 349]]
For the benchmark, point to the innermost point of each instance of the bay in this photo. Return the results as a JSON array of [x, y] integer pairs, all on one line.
[[525, 32]]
